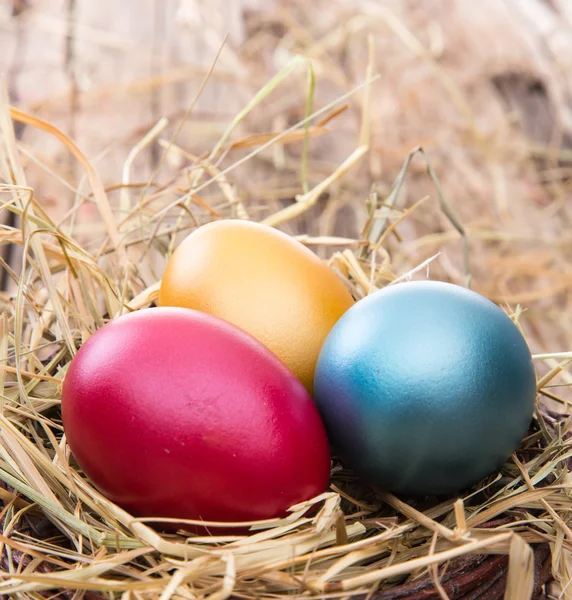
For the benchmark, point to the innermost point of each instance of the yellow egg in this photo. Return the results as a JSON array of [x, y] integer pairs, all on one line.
[[262, 281]]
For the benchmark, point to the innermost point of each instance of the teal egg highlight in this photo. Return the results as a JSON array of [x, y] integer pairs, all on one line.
[[425, 388]]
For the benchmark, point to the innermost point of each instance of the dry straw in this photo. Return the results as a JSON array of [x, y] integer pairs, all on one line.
[[60, 536]]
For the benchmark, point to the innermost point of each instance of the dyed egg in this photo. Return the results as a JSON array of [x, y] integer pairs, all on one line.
[[264, 282], [175, 413], [425, 387]]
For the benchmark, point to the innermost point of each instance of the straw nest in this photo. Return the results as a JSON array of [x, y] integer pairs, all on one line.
[[509, 535]]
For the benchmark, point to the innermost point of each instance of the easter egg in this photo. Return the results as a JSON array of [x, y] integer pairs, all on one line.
[[263, 281], [175, 413], [425, 388]]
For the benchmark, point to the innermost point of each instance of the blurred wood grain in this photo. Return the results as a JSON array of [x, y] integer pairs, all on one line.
[[97, 70], [485, 87]]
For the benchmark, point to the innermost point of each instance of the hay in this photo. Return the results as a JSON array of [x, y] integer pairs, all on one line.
[[59, 533]]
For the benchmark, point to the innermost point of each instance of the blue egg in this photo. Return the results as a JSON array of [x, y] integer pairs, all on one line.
[[425, 387]]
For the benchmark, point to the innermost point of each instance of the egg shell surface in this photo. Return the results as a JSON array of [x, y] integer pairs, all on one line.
[[263, 281], [176, 413], [425, 387]]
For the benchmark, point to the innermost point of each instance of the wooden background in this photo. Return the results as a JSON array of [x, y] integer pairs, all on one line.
[[485, 86], [106, 71]]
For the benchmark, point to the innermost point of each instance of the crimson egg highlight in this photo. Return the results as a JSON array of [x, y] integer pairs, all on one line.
[[175, 413]]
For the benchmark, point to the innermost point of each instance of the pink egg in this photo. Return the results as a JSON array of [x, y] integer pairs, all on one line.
[[175, 413]]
